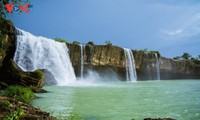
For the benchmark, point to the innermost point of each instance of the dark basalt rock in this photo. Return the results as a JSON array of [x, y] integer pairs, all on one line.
[[10, 74], [159, 119]]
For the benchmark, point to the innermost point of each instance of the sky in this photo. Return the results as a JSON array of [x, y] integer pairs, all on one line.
[[171, 27]]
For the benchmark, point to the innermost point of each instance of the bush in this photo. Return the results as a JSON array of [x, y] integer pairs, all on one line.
[[108, 43], [61, 40], [186, 56], [157, 52], [90, 43], [145, 50], [76, 42], [196, 61], [39, 74], [177, 58], [20, 93]]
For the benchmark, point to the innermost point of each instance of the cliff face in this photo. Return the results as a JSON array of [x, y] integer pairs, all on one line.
[[109, 60], [10, 73], [183, 69], [105, 60]]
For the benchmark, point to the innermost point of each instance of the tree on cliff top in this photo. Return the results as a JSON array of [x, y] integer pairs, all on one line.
[[186, 56], [108, 43]]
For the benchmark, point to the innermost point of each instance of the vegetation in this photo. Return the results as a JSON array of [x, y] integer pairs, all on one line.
[[186, 56], [11, 110], [39, 74], [155, 52], [90, 43], [177, 58], [18, 92], [62, 40], [145, 50], [150, 52], [76, 42], [16, 115], [108, 43]]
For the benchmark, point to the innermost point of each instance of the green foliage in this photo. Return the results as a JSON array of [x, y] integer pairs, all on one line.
[[108, 43], [62, 40], [157, 52], [76, 42], [4, 26], [20, 93], [186, 56], [90, 43], [16, 115], [177, 58], [145, 50], [39, 74], [196, 61]]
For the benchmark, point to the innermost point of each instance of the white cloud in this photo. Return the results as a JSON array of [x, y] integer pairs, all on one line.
[[189, 28], [176, 32]]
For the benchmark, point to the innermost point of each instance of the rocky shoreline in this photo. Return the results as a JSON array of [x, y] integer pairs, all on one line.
[[11, 108]]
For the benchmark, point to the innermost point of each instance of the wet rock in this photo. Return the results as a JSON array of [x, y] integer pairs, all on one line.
[[159, 119]]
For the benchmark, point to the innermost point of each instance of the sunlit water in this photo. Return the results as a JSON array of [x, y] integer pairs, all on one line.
[[124, 101]]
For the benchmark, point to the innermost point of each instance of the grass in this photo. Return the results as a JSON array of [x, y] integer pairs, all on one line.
[[18, 92]]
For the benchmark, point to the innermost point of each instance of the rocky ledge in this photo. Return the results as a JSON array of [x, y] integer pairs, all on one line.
[[13, 109]]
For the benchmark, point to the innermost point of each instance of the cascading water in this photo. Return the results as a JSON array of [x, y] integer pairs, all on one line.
[[157, 67], [130, 65], [82, 59], [34, 53]]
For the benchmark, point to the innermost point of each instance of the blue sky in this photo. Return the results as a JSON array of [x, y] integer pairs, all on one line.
[[169, 26]]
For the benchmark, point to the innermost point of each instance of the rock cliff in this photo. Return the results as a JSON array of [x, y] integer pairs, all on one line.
[[107, 60], [10, 73]]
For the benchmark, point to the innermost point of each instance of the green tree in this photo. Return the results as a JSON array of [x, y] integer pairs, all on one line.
[[108, 43], [186, 56], [90, 42], [177, 58]]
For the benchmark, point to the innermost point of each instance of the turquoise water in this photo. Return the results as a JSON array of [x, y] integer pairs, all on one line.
[[178, 99]]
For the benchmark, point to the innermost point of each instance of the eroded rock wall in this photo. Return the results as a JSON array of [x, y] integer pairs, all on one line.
[[110, 59]]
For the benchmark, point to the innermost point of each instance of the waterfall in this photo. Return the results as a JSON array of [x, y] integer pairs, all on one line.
[[130, 65], [34, 53], [82, 59], [157, 67]]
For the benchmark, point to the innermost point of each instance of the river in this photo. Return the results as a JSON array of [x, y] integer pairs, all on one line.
[[179, 99]]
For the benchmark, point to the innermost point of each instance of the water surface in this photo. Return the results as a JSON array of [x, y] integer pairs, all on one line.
[[178, 99]]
